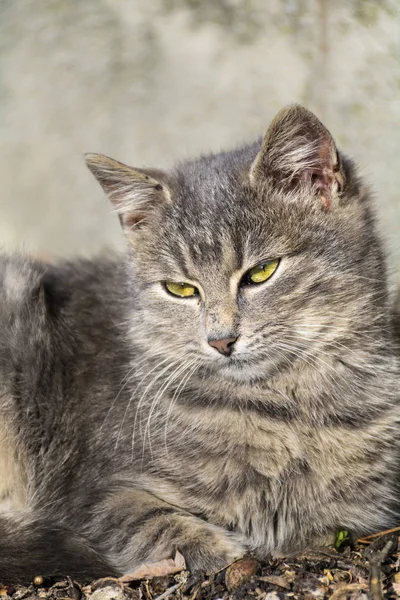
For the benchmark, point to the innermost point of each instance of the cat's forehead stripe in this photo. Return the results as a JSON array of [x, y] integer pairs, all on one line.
[[221, 254], [207, 219]]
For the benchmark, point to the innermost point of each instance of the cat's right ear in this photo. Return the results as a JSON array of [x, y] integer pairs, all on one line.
[[135, 193]]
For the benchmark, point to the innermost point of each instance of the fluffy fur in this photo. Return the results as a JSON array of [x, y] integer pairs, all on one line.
[[129, 436]]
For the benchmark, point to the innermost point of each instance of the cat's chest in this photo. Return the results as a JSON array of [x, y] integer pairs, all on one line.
[[223, 466], [239, 448], [261, 479], [235, 481]]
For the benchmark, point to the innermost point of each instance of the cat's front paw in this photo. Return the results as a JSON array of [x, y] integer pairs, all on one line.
[[205, 547], [211, 549]]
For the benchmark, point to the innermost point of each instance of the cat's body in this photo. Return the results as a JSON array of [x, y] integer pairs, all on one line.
[[126, 428]]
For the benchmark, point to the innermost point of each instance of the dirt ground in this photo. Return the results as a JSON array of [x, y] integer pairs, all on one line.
[[368, 570]]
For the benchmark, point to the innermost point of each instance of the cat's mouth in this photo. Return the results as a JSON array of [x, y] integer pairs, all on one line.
[[240, 369], [248, 368]]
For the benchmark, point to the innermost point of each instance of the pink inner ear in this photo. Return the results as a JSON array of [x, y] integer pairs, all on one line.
[[325, 174], [130, 220], [322, 181]]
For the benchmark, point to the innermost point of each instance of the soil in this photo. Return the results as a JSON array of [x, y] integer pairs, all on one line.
[[367, 570]]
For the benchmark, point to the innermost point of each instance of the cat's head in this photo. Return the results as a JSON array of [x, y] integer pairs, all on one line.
[[245, 262]]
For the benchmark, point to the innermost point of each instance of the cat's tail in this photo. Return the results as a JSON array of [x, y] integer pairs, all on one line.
[[36, 547]]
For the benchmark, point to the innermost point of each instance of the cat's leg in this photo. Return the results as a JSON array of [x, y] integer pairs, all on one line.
[[135, 527]]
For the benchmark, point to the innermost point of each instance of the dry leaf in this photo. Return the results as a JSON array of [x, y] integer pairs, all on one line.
[[168, 566], [275, 580], [240, 571]]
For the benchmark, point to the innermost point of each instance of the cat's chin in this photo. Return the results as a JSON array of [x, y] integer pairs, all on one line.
[[242, 373]]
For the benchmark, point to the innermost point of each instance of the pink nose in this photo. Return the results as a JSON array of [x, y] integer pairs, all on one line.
[[224, 346]]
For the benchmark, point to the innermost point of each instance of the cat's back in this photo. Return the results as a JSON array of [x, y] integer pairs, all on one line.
[[20, 278], [46, 305], [59, 347], [20, 291]]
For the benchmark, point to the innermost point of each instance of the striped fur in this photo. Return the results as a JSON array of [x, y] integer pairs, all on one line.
[[132, 437]]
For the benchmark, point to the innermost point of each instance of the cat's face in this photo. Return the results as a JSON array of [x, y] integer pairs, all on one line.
[[242, 270], [312, 300]]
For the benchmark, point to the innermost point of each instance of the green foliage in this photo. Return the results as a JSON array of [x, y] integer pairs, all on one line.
[[342, 536]]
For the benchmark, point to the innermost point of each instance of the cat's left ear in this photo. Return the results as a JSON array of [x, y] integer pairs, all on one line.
[[135, 193], [298, 150]]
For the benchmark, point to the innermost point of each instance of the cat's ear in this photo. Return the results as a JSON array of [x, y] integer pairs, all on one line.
[[298, 150], [134, 193]]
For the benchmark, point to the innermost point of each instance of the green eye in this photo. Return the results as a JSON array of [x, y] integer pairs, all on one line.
[[262, 272], [183, 290]]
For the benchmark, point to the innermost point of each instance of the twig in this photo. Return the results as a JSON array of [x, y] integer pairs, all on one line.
[[149, 594], [375, 562], [182, 579], [169, 591], [195, 593], [367, 538]]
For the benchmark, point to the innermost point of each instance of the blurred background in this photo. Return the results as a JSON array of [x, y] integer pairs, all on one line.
[[153, 81]]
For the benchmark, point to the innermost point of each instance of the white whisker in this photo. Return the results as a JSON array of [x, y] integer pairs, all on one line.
[[175, 397], [171, 378]]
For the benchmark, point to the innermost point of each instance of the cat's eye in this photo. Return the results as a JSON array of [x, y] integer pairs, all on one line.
[[261, 272], [183, 290]]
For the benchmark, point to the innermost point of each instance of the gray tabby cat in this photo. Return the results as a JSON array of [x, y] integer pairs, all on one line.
[[229, 385]]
